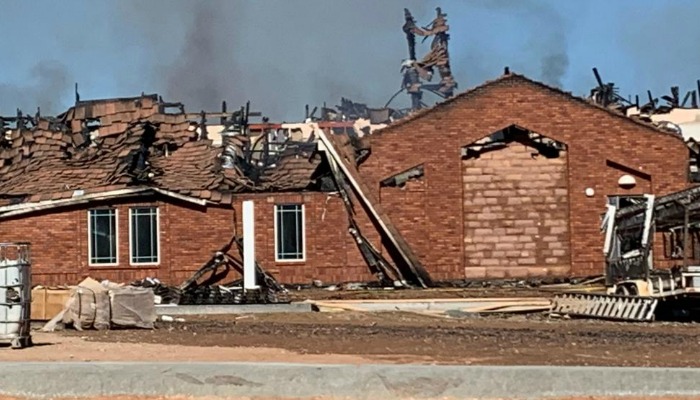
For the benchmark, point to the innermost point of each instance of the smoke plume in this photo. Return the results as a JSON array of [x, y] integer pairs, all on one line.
[[283, 54], [542, 39], [554, 66], [279, 54], [49, 80]]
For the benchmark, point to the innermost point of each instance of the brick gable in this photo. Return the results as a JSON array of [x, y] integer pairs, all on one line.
[[594, 136]]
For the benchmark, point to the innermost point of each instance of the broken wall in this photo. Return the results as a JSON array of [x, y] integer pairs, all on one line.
[[516, 213]]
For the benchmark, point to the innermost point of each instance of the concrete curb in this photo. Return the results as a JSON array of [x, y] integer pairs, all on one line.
[[232, 309], [367, 381]]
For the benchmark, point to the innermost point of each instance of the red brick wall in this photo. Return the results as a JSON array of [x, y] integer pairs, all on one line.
[[189, 236], [59, 245], [516, 214], [409, 197], [330, 254], [593, 136]]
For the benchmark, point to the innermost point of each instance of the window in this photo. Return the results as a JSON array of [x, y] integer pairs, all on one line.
[[102, 230], [625, 201], [629, 242], [144, 238], [289, 232]]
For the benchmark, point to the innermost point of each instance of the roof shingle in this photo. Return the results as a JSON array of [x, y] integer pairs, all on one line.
[[110, 144]]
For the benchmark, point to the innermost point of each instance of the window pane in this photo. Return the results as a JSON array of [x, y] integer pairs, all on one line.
[[103, 240], [290, 240], [144, 235]]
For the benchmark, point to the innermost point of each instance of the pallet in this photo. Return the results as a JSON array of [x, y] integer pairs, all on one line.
[[614, 307]]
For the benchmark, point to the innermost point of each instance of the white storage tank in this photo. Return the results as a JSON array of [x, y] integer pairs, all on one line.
[[15, 294]]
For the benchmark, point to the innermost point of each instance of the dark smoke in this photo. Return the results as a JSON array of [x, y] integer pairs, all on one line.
[[49, 82], [279, 54], [203, 73], [554, 66], [534, 41], [283, 54]]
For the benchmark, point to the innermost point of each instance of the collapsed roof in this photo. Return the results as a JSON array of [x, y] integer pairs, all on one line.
[[106, 145]]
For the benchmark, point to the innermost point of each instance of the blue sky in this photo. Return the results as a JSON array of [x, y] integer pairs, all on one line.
[[282, 54]]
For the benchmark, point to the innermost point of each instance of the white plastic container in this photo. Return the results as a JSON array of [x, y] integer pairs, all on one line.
[[15, 294]]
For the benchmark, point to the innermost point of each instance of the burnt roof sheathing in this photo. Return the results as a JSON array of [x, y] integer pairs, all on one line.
[[513, 77], [112, 144]]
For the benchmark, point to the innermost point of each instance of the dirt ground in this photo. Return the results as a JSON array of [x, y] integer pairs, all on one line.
[[352, 337], [437, 293]]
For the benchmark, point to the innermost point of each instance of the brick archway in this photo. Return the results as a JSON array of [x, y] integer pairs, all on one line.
[[516, 206]]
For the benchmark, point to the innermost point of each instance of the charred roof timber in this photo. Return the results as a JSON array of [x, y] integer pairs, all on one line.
[[544, 146], [606, 94], [401, 178], [415, 71], [237, 125], [204, 135], [690, 100]]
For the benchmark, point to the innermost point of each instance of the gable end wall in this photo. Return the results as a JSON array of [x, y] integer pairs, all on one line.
[[593, 137]]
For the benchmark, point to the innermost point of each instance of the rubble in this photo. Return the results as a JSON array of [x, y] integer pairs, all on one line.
[[105, 305], [205, 285], [108, 145]]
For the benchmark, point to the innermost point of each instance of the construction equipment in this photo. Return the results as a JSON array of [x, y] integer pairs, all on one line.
[[636, 289]]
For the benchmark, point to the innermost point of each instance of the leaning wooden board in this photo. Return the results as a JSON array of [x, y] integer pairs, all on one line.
[[48, 301]]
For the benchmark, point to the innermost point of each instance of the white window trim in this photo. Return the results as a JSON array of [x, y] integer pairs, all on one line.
[[131, 250], [303, 235], [89, 236]]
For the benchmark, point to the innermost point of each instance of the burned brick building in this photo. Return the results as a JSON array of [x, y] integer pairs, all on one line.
[[122, 189], [509, 179]]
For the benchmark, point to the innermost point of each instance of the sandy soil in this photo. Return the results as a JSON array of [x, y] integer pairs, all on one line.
[[349, 337], [73, 347]]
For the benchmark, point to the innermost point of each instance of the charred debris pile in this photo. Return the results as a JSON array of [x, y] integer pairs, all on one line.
[[208, 285], [607, 95]]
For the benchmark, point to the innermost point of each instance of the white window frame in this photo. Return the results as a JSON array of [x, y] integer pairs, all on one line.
[[116, 238], [303, 234], [158, 247]]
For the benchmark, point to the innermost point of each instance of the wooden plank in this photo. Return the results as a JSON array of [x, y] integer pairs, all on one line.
[[506, 300], [399, 242], [325, 306], [499, 306], [517, 309]]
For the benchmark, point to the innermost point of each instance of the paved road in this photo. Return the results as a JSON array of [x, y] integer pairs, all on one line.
[[353, 381]]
